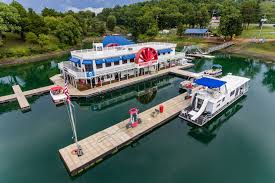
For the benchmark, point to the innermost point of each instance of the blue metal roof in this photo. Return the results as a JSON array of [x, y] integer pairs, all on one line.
[[195, 31], [125, 57], [87, 62], [209, 82], [114, 59], [165, 50], [75, 60], [99, 61], [120, 40]]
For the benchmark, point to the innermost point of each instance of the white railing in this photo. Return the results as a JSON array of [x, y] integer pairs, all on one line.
[[114, 69], [126, 47], [77, 73]]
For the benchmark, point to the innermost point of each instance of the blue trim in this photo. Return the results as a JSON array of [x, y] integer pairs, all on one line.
[[209, 82], [120, 40], [126, 57], [75, 60], [87, 62], [99, 61], [90, 74], [165, 50], [114, 59]]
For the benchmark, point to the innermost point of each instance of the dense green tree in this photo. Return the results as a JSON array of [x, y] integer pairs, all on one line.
[[111, 22], [250, 11], [180, 29], [9, 19], [50, 12], [31, 38], [36, 23], [68, 30], [51, 23], [231, 24], [23, 15], [43, 40]]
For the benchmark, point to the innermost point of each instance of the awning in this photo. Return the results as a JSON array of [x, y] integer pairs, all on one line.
[[75, 60], [114, 59], [87, 62], [165, 50], [209, 82], [99, 61], [126, 57]]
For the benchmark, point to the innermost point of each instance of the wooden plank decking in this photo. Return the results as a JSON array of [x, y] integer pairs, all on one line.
[[23, 103], [108, 141]]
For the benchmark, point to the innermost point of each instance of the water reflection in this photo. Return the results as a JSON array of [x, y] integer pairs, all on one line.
[[208, 132], [269, 78], [28, 76], [144, 93]]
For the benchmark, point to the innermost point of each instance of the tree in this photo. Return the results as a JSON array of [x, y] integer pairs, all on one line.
[[36, 23], [231, 25], [51, 23], [202, 16], [31, 38], [9, 19], [23, 14], [50, 12], [43, 40], [111, 22], [152, 31], [68, 30], [180, 29], [250, 11]]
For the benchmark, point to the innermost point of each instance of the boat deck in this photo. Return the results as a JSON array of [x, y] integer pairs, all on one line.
[[108, 141]]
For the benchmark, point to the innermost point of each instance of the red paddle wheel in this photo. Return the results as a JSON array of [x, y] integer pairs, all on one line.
[[112, 44], [146, 56]]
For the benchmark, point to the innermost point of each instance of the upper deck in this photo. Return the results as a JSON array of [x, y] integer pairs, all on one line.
[[108, 52]]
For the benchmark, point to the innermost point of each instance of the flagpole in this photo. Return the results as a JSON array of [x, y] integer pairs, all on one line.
[[69, 104]]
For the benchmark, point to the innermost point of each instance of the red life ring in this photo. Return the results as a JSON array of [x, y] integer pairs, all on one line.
[[74, 152]]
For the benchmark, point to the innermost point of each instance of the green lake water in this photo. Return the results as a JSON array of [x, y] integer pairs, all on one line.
[[237, 146]]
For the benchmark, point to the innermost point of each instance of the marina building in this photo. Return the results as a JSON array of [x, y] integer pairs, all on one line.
[[116, 59]]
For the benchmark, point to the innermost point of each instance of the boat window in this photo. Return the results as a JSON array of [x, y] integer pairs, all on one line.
[[237, 92], [99, 66], [223, 99], [116, 63], [108, 64], [218, 105], [232, 93], [132, 60], [219, 101], [124, 61], [199, 103]]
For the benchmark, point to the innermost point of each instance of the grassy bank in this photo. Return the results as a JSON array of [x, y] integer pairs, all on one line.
[[268, 32], [263, 51]]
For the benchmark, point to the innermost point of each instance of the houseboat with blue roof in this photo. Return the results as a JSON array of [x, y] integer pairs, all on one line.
[[116, 59]]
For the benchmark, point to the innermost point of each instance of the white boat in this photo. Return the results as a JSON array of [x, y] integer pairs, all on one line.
[[213, 97], [57, 94], [215, 71]]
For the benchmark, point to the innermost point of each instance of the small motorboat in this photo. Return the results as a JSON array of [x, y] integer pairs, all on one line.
[[57, 94], [215, 71]]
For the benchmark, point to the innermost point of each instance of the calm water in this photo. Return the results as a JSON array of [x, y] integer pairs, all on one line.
[[238, 146]]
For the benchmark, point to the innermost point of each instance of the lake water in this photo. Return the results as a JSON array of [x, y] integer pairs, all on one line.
[[237, 146]]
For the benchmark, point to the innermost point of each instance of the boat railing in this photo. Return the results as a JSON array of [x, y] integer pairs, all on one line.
[[115, 69], [68, 67]]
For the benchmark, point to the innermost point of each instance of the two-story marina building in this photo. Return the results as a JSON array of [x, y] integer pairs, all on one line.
[[113, 62]]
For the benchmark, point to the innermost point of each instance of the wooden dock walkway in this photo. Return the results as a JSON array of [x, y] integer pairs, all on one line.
[[23, 103], [108, 141]]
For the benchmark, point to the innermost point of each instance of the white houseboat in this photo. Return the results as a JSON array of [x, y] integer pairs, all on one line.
[[117, 59], [213, 97]]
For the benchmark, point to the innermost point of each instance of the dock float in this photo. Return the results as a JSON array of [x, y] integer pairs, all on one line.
[[108, 141], [23, 103]]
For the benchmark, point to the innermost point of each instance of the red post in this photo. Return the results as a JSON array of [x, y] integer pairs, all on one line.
[[161, 108]]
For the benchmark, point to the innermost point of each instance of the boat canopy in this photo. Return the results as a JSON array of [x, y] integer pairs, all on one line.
[[113, 59], [87, 62], [125, 57], [75, 60], [116, 40], [165, 50], [99, 61], [210, 82], [56, 88]]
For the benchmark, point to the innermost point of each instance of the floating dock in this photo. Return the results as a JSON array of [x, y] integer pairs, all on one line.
[[23, 103], [110, 140]]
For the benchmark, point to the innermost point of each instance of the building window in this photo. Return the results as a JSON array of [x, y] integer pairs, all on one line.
[[124, 61], [116, 63], [99, 66], [132, 60], [108, 64]]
